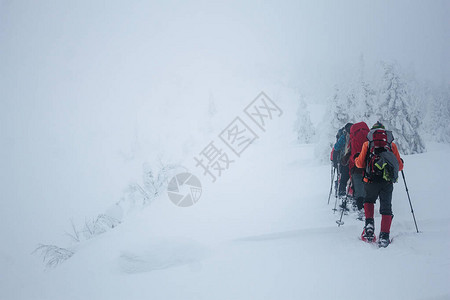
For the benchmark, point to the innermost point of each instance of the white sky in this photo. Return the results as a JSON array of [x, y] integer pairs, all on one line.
[[75, 43]]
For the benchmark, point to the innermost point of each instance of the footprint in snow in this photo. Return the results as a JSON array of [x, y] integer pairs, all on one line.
[[162, 254]]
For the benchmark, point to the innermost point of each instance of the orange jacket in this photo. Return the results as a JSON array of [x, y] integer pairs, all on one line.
[[360, 161]]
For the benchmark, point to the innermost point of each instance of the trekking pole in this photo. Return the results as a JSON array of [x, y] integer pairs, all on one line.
[[332, 179], [337, 190], [412, 211], [337, 187], [340, 222]]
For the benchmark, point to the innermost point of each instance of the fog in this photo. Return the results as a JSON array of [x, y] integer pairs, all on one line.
[[91, 90]]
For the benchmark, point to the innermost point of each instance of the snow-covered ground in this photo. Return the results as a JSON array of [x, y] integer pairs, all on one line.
[[262, 231]]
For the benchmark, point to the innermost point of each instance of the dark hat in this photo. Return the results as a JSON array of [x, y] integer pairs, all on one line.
[[348, 126], [378, 125]]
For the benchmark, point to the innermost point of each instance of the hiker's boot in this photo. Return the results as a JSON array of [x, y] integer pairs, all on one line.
[[361, 215], [354, 206], [368, 234], [383, 240]]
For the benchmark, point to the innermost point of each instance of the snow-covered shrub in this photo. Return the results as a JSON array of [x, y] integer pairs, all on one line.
[[53, 255], [99, 225], [136, 196]]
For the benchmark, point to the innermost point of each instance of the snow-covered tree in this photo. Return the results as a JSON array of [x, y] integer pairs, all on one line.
[[396, 111], [390, 99], [368, 96], [364, 96], [360, 102], [438, 115], [335, 117], [304, 127], [355, 101], [340, 114]]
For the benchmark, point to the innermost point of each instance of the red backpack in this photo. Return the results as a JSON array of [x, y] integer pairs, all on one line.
[[381, 163], [358, 136]]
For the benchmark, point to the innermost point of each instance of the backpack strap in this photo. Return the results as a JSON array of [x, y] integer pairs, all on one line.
[[390, 137]]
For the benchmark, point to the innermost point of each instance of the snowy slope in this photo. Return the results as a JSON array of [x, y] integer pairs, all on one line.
[[268, 235]]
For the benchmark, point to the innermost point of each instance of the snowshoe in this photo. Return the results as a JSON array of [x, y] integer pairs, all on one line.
[[368, 238]]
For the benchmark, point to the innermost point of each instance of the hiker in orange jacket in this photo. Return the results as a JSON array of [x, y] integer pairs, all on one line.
[[360, 161], [378, 185]]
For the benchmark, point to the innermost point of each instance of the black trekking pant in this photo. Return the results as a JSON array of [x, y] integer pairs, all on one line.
[[359, 192], [384, 191], [345, 176]]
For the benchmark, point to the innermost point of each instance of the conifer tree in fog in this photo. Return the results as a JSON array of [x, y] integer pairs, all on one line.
[[395, 110], [437, 119], [304, 127]]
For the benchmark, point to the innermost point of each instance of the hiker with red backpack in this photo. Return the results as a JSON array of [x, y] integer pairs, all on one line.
[[380, 159], [358, 136]]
